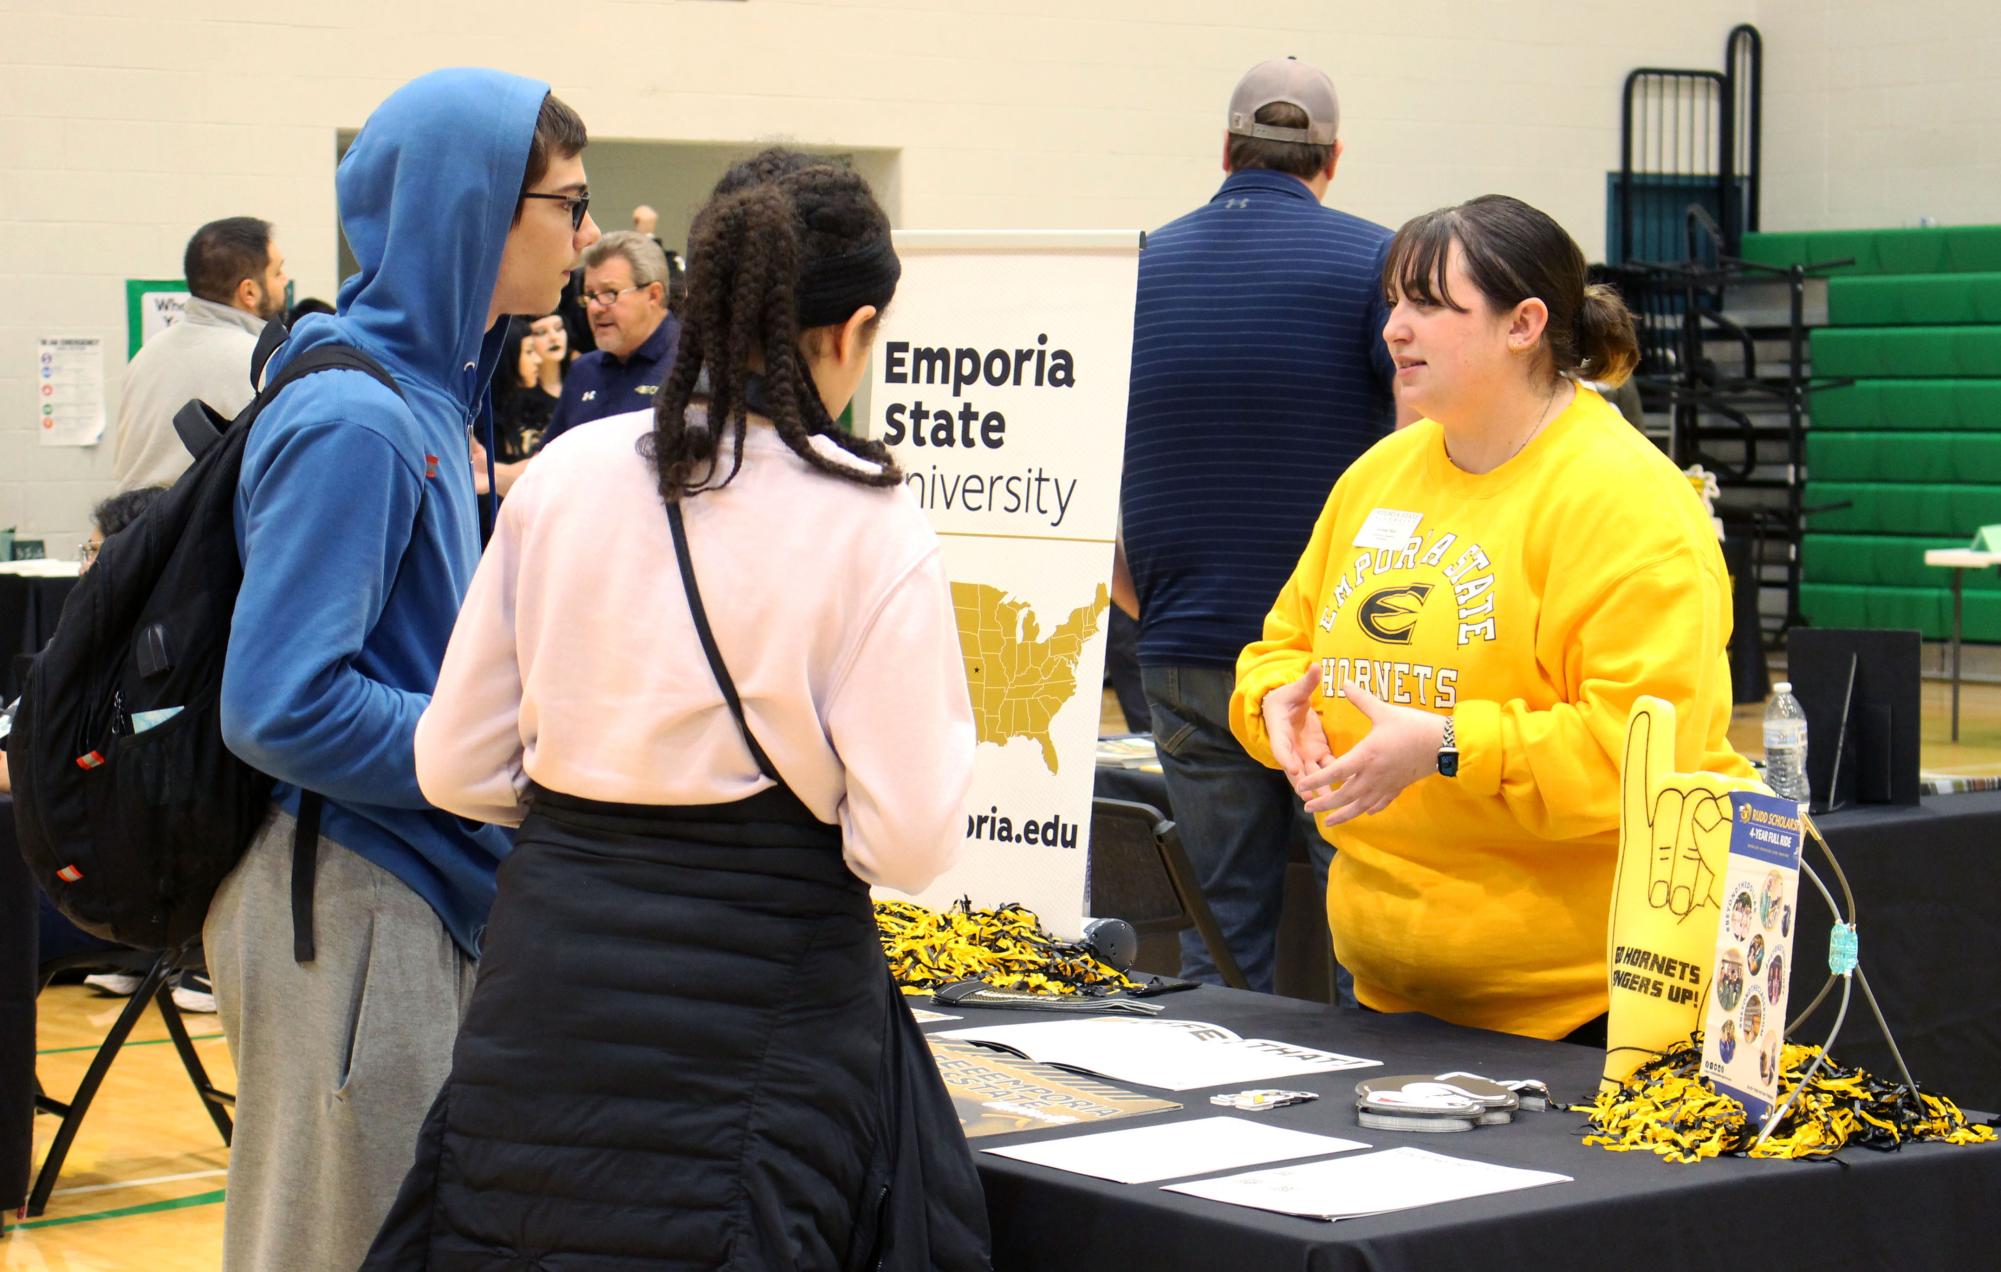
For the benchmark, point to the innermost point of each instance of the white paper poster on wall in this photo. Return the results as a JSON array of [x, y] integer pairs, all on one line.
[[69, 390], [999, 382]]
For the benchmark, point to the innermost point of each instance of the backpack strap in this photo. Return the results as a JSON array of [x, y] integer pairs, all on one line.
[[275, 333], [197, 424], [305, 874], [326, 357], [306, 839], [709, 650]]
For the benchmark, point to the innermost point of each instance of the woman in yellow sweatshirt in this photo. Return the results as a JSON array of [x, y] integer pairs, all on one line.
[[1446, 676]]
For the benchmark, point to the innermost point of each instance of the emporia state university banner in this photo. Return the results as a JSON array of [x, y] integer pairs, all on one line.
[[999, 382]]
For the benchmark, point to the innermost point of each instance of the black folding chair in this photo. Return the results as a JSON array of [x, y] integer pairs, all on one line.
[[156, 971], [1139, 872]]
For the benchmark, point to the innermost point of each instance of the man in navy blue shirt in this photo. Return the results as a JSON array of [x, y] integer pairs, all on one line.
[[625, 295], [1259, 374]]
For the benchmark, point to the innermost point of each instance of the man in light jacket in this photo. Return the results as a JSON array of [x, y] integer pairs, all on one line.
[[236, 284]]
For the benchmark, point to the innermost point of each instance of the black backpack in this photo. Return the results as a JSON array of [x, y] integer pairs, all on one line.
[[129, 807]]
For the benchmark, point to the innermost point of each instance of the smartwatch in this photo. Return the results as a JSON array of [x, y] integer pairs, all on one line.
[[1448, 752]]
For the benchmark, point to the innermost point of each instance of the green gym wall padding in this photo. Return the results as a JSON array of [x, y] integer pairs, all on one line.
[[1928, 457], [1892, 300], [1964, 352], [1927, 609], [1918, 405], [1950, 512], [1881, 560], [1939, 250]]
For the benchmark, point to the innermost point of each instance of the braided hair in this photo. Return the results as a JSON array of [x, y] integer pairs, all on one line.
[[749, 246]]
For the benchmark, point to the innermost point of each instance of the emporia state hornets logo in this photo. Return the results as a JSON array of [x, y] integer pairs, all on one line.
[[1390, 615]]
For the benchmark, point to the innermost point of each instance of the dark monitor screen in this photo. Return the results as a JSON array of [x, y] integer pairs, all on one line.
[[1860, 689]]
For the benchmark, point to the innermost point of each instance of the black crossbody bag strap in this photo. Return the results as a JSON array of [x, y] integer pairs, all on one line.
[[709, 650]]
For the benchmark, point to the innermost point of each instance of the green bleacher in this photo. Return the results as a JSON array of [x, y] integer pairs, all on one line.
[[1908, 508], [1892, 300], [1913, 448], [1928, 609], [1941, 458], [1959, 249], [1885, 560], [1881, 353], [1925, 406]]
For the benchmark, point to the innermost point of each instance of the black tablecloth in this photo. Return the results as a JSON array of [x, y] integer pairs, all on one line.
[[29, 608], [1924, 888], [18, 911], [1918, 1208], [1923, 878]]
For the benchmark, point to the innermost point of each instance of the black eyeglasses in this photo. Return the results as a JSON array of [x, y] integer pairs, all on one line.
[[608, 297], [579, 204]]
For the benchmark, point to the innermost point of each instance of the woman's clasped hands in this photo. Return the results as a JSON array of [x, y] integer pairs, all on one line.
[[1401, 747]]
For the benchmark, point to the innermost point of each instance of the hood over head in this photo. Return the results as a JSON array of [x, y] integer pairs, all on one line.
[[427, 196]]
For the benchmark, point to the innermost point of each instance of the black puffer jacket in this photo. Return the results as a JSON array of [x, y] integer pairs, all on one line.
[[684, 1051]]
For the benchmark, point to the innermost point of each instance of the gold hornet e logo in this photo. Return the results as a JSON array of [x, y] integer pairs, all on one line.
[[1391, 614]]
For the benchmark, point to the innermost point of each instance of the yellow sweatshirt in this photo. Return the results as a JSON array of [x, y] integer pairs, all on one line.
[[1533, 603]]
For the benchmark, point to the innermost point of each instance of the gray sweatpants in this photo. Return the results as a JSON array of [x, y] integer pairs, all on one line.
[[337, 1060]]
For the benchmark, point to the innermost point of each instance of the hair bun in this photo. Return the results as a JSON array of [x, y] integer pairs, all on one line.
[[1608, 345]]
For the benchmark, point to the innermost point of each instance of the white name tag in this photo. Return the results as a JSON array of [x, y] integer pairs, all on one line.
[[1387, 528]]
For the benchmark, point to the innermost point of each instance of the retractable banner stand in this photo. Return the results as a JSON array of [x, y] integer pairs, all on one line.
[[999, 382]]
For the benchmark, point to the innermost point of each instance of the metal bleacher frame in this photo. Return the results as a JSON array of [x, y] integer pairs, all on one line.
[[1724, 355]]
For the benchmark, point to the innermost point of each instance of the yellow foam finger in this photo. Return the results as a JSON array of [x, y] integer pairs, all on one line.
[[1674, 837]]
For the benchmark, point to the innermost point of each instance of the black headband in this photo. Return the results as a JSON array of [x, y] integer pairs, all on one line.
[[832, 288]]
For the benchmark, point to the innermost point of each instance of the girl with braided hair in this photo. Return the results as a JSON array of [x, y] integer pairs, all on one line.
[[709, 667]]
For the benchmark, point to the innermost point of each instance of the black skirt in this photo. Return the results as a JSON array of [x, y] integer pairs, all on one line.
[[684, 1051]]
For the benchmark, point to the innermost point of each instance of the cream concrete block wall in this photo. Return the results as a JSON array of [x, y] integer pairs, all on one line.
[[124, 124], [1880, 113]]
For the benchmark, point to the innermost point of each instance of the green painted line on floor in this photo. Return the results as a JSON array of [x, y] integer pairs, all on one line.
[[123, 1212], [130, 1042]]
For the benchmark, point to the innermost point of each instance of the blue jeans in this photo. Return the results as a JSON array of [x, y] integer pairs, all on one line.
[[1237, 821]]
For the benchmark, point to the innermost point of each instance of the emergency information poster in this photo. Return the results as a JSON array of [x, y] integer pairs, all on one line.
[[999, 383], [69, 390], [1743, 1032]]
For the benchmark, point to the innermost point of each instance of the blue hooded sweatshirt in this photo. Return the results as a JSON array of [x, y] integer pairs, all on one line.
[[355, 513]]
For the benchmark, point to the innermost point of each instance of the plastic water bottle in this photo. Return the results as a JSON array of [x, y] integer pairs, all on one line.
[[1785, 745]]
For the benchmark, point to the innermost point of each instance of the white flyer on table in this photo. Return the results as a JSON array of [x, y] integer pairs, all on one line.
[[1174, 1055], [1147, 1153], [1372, 1184]]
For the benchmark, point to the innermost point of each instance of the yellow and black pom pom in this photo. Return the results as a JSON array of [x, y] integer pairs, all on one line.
[[1667, 1107], [1007, 947]]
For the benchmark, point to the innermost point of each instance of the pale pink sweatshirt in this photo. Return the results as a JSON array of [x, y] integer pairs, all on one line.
[[575, 662]]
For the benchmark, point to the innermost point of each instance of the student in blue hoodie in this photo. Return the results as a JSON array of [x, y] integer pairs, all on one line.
[[464, 200]]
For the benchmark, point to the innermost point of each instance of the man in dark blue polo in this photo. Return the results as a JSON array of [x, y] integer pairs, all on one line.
[[1259, 374], [625, 296]]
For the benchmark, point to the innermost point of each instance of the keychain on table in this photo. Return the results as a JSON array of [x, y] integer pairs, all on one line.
[[1263, 1098]]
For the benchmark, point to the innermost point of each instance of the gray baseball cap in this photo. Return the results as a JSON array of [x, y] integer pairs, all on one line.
[[1286, 79]]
